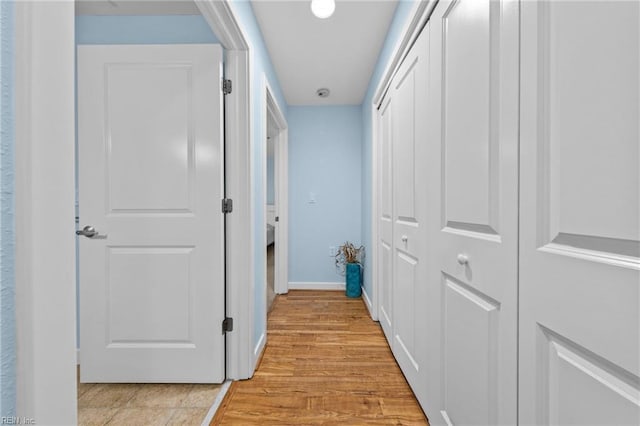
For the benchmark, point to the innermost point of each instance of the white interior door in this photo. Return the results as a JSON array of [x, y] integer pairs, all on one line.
[[385, 226], [409, 214], [474, 189], [580, 233], [151, 183]]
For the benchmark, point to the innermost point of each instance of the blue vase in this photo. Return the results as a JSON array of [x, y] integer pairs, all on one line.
[[353, 280]]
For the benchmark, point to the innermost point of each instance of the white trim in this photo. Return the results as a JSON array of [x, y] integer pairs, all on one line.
[[240, 250], [317, 286], [282, 162], [44, 212], [370, 306], [264, 89], [257, 351], [240, 235], [420, 14], [418, 18], [374, 308], [221, 19], [216, 403]]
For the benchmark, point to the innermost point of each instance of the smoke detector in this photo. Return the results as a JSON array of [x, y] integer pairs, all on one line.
[[323, 93]]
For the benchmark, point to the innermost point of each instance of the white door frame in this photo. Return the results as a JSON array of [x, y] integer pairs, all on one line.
[[372, 301], [281, 182], [45, 199], [239, 177], [419, 16], [45, 211]]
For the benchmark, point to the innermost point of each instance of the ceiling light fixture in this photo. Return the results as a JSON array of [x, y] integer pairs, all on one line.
[[323, 8]]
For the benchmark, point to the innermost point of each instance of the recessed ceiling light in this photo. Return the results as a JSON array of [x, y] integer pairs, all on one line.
[[323, 93], [323, 8]]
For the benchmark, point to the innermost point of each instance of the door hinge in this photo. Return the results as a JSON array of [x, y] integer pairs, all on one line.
[[227, 205], [226, 86], [227, 325]]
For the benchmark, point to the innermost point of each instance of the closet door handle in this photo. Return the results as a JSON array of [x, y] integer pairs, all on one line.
[[463, 259], [404, 238], [88, 231]]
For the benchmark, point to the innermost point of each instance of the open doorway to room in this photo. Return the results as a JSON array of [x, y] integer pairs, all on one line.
[[153, 72], [271, 215], [155, 297], [276, 199], [45, 265]]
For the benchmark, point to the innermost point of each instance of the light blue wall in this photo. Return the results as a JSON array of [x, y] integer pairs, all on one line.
[[260, 66], [137, 30], [403, 12], [325, 145], [7, 224], [143, 30]]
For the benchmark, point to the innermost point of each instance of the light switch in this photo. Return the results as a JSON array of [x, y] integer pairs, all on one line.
[[312, 198]]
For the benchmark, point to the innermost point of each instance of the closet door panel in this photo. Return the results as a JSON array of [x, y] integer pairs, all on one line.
[[469, 117], [409, 94], [580, 217], [385, 225], [470, 324], [474, 188]]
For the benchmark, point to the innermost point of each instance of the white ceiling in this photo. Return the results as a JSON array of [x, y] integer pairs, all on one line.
[[338, 53]]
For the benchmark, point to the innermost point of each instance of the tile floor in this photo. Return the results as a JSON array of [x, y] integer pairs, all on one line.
[[144, 404]]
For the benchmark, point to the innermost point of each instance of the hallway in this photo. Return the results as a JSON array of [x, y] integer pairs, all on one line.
[[325, 362]]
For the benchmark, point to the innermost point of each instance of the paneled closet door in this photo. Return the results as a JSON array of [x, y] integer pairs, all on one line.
[[473, 185], [409, 133], [385, 225], [580, 213]]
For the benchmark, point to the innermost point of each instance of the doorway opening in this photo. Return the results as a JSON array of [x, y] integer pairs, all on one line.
[[44, 266], [275, 198], [271, 215]]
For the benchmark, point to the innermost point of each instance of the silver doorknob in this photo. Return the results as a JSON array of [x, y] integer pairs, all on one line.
[[463, 259], [88, 231]]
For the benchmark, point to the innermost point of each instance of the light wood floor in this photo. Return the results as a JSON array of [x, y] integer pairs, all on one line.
[[325, 362]]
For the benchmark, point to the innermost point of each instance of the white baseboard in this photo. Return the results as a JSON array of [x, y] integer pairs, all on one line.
[[369, 304], [316, 286], [216, 403], [257, 352]]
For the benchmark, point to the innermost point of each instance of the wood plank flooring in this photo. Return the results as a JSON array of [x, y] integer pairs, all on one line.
[[325, 362]]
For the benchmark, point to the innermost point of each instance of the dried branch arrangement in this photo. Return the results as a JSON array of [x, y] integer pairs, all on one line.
[[348, 253]]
